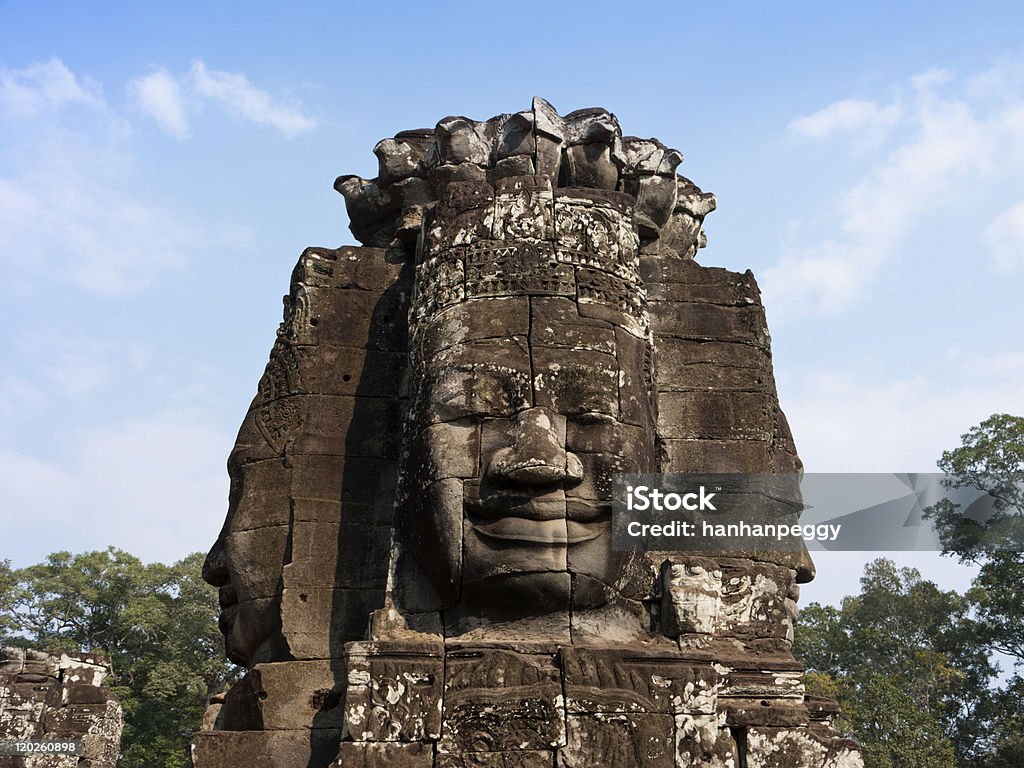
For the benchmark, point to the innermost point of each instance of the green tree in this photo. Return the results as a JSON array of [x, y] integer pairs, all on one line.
[[8, 597], [912, 682], [895, 729], [991, 459], [1007, 737], [157, 624]]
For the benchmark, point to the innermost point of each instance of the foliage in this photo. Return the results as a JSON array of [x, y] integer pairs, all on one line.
[[896, 730], [1007, 737], [910, 679], [8, 596], [909, 662], [990, 459], [157, 624]]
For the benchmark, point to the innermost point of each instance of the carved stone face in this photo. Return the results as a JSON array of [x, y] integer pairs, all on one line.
[[524, 411], [246, 560]]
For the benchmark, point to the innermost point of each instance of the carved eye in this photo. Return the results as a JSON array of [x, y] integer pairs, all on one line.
[[460, 404], [470, 393]]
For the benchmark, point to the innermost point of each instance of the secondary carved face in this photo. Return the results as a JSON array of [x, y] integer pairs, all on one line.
[[246, 560], [524, 411]]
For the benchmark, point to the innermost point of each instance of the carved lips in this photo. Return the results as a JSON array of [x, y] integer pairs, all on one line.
[[547, 520]]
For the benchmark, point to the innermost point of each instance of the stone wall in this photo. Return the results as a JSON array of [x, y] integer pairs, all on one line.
[[58, 697]]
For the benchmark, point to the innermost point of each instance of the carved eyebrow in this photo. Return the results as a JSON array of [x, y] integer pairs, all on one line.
[[498, 371], [514, 383]]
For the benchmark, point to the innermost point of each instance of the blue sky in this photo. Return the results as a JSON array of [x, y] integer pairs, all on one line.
[[161, 168]]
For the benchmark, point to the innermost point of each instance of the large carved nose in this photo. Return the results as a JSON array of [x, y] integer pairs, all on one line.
[[537, 455], [215, 569]]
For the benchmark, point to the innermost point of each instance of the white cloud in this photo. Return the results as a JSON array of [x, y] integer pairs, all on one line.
[[245, 100], [170, 101], [843, 117], [154, 486], [49, 86], [67, 365], [1005, 239], [952, 145], [159, 95], [72, 209]]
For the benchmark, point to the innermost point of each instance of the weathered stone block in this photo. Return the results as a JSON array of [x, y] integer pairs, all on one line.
[[743, 713], [464, 215], [696, 455], [362, 319], [756, 600], [263, 489], [703, 741], [636, 379], [618, 739], [497, 318], [709, 322], [557, 324], [497, 701], [619, 680], [532, 758], [317, 622], [74, 718], [264, 749], [368, 754], [346, 267], [716, 415], [288, 695], [710, 365], [590, 165], [574, 382], [706, 285], [266, 546], [783, 747], [355, 553], [523, 209], [332, 370], [517, 165], [691, 596], [346, 426], [394, 691], [344, 489], [451, 450]]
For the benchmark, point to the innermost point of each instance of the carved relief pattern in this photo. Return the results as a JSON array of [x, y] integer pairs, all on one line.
[[279, 416]]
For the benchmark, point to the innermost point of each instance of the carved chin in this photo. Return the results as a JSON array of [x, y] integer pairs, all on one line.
[[519, 594], [533, 562], [247, 628]]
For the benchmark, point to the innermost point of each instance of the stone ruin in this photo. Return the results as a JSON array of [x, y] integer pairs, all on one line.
[[416, 566], [58, 697]]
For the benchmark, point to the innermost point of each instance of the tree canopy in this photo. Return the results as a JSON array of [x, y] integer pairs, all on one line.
[[913, 665], [157, 623]]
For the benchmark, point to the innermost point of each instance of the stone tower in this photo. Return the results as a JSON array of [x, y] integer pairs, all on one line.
[[417, 566]]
